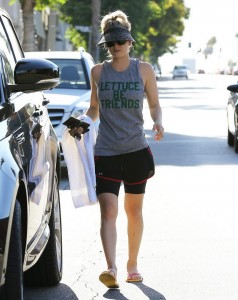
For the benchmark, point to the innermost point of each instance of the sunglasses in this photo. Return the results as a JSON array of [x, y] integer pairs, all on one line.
[[112, 44]]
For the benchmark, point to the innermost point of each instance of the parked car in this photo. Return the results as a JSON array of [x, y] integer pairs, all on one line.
[[72, 96], [157, 70], [234, 70], [30, 219], [232, 117], [180, 71]]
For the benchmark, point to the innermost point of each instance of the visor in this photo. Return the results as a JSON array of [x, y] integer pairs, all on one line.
[[115, 34]]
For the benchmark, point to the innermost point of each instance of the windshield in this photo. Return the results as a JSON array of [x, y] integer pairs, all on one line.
[[72, 74], [180, 67]]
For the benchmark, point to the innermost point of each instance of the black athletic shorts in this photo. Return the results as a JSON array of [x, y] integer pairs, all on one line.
[[133, 169]]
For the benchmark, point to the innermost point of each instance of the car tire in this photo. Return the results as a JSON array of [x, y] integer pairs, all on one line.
[[236, 143], [13, 288], [48, 269], [230, 138]]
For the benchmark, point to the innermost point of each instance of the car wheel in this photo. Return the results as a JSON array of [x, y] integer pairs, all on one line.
[[48, 270], [13, 288], [236, 143], [230, 138]]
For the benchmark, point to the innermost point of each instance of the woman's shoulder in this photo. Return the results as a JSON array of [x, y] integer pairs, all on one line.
[[97, 67], [145, 67], [96, 71]]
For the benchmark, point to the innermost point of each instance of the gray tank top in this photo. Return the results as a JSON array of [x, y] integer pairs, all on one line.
[[121, 96]]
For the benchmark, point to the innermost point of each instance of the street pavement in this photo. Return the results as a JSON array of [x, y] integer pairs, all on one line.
[[190, 243]]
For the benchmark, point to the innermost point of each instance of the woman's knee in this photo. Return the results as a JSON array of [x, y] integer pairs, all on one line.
[[109, 206], [134, 204], [135, 214]]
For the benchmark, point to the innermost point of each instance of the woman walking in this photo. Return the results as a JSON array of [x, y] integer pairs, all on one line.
[[122, 153]]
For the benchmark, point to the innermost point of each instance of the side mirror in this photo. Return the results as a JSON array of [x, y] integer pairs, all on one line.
[[233, 88], [34, 74]]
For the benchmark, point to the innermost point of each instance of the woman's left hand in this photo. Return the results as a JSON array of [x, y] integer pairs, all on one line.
[[159, 131]]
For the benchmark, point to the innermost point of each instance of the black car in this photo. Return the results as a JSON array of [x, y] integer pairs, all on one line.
[[30, 219], [232, 117]]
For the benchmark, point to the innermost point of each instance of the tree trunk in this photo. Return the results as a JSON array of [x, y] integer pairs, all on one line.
[[28, 25], [96, 9]]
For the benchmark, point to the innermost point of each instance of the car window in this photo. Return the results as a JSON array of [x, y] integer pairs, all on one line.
[[180, 67], [72, 74], [18, 53], [1, 83], [7, 53], [2, 80]]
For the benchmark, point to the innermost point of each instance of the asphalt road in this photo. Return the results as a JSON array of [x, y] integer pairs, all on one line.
[[190, 243]]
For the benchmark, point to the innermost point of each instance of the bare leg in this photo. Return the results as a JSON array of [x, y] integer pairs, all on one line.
[[109, 211], [133, 207]]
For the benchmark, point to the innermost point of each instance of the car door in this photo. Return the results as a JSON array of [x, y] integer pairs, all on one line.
[[27, 130]]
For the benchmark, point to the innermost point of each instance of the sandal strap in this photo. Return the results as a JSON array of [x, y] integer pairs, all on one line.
[[112, 272], [134, 274]]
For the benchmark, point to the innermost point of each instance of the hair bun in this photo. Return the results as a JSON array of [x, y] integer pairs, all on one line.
[[117, 16]]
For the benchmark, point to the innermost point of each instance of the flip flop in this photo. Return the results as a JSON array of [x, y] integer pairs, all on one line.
[[108, 278], [134, 277]]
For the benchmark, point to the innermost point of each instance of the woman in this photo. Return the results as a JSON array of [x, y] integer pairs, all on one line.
[[122, 153]]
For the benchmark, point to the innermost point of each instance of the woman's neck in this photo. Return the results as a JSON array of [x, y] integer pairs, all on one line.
[[120, 64]]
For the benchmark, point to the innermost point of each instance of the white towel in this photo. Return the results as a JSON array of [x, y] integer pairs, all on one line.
[[79, 158]]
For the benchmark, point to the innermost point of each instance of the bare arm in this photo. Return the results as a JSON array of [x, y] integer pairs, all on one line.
[[93, 110], [152, 94]]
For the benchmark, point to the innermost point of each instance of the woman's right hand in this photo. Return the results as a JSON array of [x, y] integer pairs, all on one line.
[[76, 132]]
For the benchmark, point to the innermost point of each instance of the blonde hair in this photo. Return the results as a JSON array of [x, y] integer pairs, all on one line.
[[117, 16]]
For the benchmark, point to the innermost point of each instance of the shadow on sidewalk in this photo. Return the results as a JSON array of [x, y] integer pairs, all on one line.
[[59, 292], [152, 294]]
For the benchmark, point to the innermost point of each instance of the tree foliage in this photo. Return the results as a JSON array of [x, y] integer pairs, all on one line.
[[209, 47], [77, 13], [157, 25], [54, 4]]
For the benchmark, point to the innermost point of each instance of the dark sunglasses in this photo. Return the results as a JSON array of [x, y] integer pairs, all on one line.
[[112, 44]]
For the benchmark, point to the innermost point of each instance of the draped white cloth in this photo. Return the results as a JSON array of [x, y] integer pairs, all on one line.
[[79, 158]]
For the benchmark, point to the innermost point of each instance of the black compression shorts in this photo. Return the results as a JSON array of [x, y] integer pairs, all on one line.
[[133, 169]]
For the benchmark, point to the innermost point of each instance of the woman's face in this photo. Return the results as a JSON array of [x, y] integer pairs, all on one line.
[[119, 48]]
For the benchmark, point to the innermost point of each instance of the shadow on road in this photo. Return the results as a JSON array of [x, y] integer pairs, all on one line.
[[187, 150], [149, 292], [59, 292]]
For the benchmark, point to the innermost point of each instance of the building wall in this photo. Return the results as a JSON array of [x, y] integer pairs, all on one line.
[[50, 31]]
